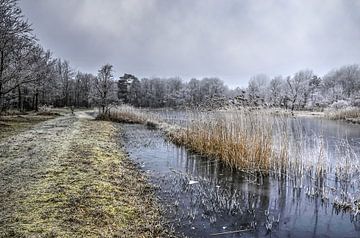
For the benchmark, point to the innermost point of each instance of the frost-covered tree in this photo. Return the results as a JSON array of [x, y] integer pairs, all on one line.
[[16, 41], [41, 72], [314, 98], [212, 87], [82, 90], [297, 88], [104, 93], [257, 90], [276, 91], [174, 92], [342, 84], [64, 77], [194, 91]]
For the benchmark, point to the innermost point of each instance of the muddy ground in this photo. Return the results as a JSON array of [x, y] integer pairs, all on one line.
[[68, 177]]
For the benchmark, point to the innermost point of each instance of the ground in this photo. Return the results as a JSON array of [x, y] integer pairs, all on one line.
[[12, 125], [68, 177]]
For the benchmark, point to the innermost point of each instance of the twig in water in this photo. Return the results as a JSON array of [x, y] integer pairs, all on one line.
[[229, 232]]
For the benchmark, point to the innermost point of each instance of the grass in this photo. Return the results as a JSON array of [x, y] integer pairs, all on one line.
[[13, 124], [91, 190]]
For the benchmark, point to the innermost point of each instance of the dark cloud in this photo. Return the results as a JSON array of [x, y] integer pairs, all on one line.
[[230, 39]]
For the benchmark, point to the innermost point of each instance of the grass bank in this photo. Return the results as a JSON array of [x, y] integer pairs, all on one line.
[[84, 187]]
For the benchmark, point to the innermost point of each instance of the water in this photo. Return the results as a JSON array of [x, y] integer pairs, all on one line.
[[203, 197]]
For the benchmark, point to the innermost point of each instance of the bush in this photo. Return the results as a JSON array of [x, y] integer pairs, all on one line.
[[341, 104], [356, 102]]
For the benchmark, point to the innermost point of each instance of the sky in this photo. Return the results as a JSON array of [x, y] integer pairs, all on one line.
[[229, 39]]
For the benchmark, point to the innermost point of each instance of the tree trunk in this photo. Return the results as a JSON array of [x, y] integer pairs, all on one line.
[[20, 100], [1, 81], [293, 103], [36, 100], [1, 98]]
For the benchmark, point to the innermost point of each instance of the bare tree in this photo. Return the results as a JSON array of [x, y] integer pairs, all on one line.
[[15, 41], [257, 89], [276, 90], [104, 93], [83, 83], [297, 87]]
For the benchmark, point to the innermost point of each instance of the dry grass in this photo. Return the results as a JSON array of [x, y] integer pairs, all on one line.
[[88, 190], [349, 114], [122, 117], [252, 141], [131, 115], [243, 139]]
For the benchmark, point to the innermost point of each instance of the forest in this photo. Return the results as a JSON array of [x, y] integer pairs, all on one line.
[[30, 77]]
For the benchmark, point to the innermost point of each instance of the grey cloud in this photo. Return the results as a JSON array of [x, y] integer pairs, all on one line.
[[229, 39]]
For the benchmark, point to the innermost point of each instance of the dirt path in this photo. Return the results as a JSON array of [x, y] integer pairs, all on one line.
[[67, 177]]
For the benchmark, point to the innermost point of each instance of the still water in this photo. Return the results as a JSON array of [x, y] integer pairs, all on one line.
[[203, 197]]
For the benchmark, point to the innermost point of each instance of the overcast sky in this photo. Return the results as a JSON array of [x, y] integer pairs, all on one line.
[[229, 39]]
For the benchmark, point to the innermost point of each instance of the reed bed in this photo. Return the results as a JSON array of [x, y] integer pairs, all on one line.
[[260, 144], [252, 141], [242, 140], [131, 115], [351, 114]]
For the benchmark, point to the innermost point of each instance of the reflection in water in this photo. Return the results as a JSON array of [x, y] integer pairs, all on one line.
[[204, 197]]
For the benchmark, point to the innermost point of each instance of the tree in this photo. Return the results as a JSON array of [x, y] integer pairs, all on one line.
[[342, 83], [212, 87], [124, 87], [104, 93], [276, 86], [16, 40], [257, 89], [297, 88], [82, 89], [313, 97], [65, 76], [173, 92], [195, 91], [135, 93], [39, 63]]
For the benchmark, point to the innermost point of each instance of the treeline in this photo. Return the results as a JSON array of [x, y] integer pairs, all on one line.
[[31, 77], [303, 90], [171, 92]]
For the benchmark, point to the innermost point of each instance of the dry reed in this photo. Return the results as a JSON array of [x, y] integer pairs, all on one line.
[[242, 140], [259, 144], [344, 114]]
